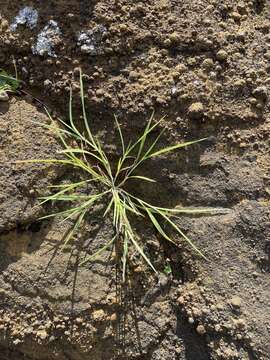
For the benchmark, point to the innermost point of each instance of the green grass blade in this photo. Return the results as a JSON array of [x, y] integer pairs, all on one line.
[[79, 151], [46, 161], [182, 210], [153, 144], [141, 252], [145, 133], [157, 226], [174, 147], [130, 206], [74, 197], [60, 213], [92, 140], [67, 185], [120, 134], [74, 229], [142, 178], [182, 234], [59, 193], [108, 207]]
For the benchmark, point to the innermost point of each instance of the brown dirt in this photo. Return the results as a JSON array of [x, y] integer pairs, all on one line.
[[205, 64]]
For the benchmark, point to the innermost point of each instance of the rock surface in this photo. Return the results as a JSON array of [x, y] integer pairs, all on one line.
[[209, 74]]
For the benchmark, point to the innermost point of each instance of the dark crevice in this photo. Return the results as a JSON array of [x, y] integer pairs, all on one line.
[[195, 345], [7, 353], [259, 6], [35, 227]]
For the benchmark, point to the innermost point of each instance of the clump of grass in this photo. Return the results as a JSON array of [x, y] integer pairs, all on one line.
[[89, 158], [8, 84]]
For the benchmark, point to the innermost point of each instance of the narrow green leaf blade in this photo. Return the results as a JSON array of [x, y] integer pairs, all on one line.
[[142, 178], [174, 147]]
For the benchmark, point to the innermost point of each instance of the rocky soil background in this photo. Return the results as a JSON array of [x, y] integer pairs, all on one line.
[[206, 66]]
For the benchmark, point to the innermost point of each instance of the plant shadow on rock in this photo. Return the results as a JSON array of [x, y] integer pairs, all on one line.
[[25, 239], [194, 344]]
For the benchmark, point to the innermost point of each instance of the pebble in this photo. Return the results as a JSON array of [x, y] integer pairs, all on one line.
[[16, 341], [46, 40], [260, 92], [235, 301], [267, 55], [113, 317], [133, 74], [79, 320], [4, 24], [167, 42], [4, 96], [196, 312], [174, 37], [181, 300], [27, 16], [42, 334], [208, 63], [222, 55], [196, 110], [236, 16], [98, 315], [47, 83], [200, 330]]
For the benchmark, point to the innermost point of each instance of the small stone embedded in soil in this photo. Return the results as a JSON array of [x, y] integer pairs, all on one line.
[[236, 16], [4, 96], [200, 330], [196, 110], [90, 41], [222, 55], [133, 74], [98, 315], [261, 92], [42, 334], [27, 16], [47, 83], [113, 317], [235, 301], [3, 24], [174, 37], [47, 40], [181, 300], [16, 341], [79, 320], [208, 64]]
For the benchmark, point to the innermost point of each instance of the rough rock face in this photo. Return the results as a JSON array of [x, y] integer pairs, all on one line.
[[20, 184], [205, 64]]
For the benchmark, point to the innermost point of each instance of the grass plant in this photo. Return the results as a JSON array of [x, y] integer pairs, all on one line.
[[83, 151], [8, 83]]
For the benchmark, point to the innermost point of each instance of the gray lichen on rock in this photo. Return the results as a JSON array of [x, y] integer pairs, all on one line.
[[47, 39], [27, 16], [90, 41]]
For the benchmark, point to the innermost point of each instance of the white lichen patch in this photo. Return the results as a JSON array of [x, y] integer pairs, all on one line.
[[27, 16], [90, 41], [47, 40]]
